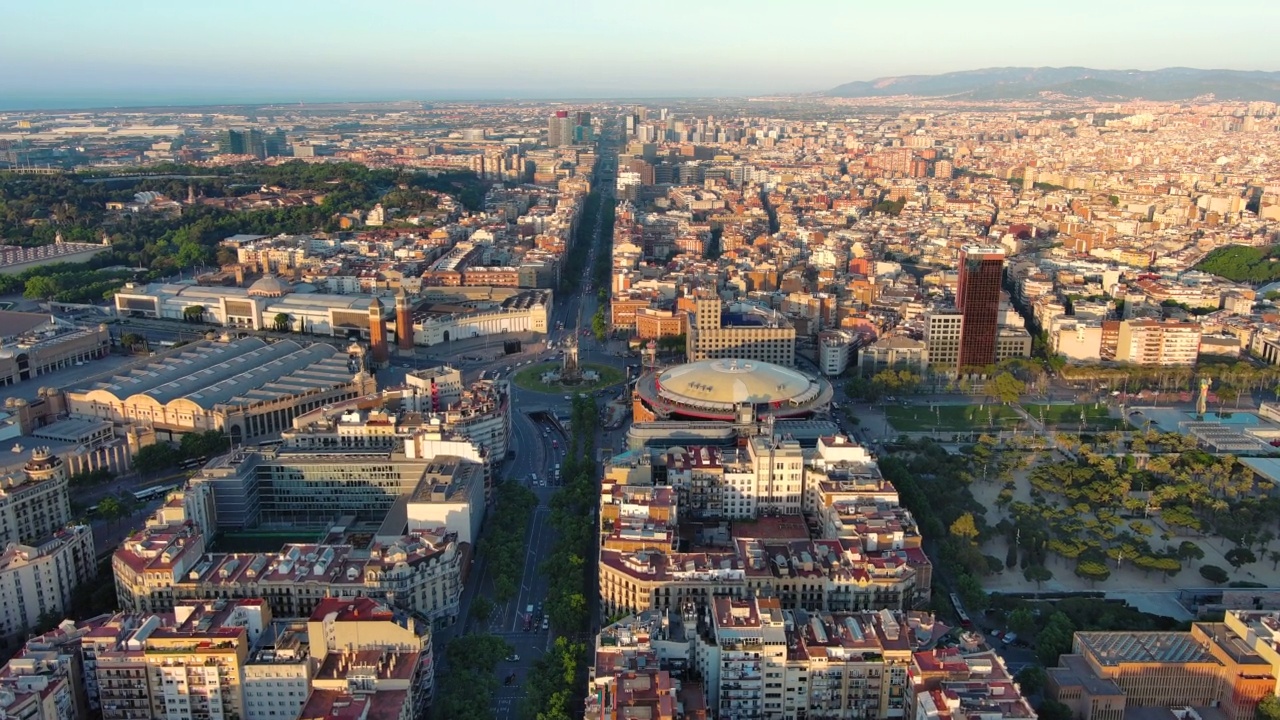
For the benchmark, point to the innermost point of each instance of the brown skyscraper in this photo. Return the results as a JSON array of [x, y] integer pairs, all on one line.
[[404, 321], [978, 299], [377, 334]]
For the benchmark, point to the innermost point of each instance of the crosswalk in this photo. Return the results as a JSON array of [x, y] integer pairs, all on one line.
[[508, 706]]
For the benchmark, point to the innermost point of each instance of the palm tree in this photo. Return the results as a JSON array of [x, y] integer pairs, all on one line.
[[193, 314], [282, 322]]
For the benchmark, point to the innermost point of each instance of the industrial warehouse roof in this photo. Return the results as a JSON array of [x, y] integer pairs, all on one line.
[[242, 372]]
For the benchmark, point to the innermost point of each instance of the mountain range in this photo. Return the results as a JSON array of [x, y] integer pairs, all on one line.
[[1022, 83]]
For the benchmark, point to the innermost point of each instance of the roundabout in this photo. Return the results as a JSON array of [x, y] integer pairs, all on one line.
[[531, 378]]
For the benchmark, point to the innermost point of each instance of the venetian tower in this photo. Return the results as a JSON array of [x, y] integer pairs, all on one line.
[[377, 334], [404, 321]]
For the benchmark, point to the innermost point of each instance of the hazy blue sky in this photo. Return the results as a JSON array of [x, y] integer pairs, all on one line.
[[56, 52]]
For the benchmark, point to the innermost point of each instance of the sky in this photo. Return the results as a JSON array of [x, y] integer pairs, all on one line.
[[93, 53]]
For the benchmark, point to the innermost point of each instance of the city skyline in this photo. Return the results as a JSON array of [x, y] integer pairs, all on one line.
[[290, 52]]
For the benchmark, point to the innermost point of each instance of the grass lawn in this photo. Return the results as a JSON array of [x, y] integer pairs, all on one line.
[[1068, 416], [530, 378], [950, 418]]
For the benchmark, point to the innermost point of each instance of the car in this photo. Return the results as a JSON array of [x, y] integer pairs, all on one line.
[[996, 633], [513, 658], [545, 624], [1010, 638]]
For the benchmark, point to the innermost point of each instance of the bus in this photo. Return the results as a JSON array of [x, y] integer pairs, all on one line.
[[965, 622], [154, 492]]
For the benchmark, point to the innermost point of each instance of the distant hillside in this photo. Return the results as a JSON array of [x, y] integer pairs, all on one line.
[[1020, 83]]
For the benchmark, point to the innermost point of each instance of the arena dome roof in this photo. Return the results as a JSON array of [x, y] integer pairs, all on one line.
[[735, 382]]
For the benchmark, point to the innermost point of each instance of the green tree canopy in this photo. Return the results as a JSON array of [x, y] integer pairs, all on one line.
[[1037, 574], [1240, 556], [1213, 574], [1006, 388], [1268, 708], [156, 457], [965, 528], [1093, 570]]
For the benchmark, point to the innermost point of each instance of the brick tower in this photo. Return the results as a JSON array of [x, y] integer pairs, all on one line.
[[377, 334], [404, 321]]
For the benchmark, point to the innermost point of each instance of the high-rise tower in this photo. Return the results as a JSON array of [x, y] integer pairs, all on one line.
[[978, 299], [560, 129], [377, 334], [404, 321]]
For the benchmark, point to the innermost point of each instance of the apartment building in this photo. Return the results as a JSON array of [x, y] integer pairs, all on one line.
[[34, 502], [623, 311], [1012, 342], [653, 323], [836, 349], [1229, 666], [369, 658], [834, 575], [115, 683], [1078, 341], [1158, 342], [637, 517], [740, 331], [421, 571], [753, 659], [278, 672], [760, 661], [44, 680], [179, 666], [946, 685], [870, 555], [894, 351], [230, 659], [765, 477], [433, 405], [40, 579], [635, 665]]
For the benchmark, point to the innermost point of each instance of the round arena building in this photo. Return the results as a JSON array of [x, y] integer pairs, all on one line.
[[728, 389]]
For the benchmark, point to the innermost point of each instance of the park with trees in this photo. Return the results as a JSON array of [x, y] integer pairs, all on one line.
[[34, 209], [1143, 507]]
